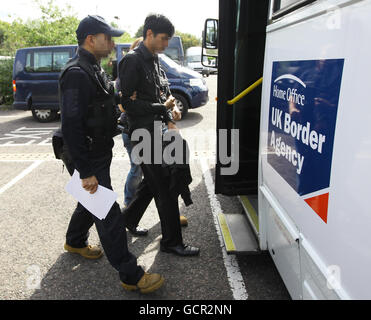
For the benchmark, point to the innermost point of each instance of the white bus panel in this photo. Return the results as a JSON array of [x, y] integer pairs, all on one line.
[[315, 148]]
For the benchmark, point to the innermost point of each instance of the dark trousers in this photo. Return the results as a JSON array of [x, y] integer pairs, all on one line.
[[111, 230], [155, 185]]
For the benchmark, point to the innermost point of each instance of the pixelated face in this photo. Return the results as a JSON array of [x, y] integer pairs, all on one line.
[[159, 42], [102, 45]]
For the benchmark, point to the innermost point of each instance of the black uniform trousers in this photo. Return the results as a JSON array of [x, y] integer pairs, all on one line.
[[111, 230], [156, 185]]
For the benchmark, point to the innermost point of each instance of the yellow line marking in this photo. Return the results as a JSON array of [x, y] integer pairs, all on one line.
[[251, 211], [226, 233]]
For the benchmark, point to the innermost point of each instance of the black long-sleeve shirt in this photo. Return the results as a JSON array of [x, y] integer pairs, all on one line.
[[140, 71]]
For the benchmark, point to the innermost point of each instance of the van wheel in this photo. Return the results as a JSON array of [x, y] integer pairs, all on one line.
[[181, 103], [44, 115]]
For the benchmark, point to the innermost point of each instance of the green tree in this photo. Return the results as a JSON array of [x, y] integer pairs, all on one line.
[[139, 32], [4, 26], [55, 27]]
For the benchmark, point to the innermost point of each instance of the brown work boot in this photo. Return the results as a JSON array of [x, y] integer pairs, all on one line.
[[148, 283], [183, 221], [88, 252]]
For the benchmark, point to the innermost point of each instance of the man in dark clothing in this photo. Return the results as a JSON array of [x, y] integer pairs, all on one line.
[[89, 123], [139, 73]]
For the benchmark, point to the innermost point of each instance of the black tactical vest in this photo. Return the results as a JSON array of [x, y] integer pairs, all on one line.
[[102, 117]]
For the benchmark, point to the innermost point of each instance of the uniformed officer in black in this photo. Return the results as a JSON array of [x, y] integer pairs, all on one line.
[[88, 126], [139, 73]]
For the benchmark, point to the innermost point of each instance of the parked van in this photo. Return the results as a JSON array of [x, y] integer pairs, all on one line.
[[36, 71], [35, 79], [187, 86]]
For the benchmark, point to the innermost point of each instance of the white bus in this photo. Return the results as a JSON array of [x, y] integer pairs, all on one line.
[[304, 174]]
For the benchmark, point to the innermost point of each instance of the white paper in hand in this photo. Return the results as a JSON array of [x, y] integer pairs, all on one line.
[[98, 203]]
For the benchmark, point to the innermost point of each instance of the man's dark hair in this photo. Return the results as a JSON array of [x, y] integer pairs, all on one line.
[[158, 23], [80, 42]]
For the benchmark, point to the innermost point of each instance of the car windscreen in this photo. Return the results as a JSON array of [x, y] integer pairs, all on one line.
[[168, 63], [196, 58], [172, 53]]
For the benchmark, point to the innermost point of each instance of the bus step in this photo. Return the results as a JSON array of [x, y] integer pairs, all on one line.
[[238, 236]]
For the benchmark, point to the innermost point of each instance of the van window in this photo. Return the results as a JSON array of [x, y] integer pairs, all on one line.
[[28, 62], [42, 61], [46, 61], [59, 59]]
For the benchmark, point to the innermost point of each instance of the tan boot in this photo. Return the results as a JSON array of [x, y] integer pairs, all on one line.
[[183, 221], [148, 283], [88, 252]]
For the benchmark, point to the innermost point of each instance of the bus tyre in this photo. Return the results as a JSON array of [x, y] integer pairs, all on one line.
[[44, 115], [181, 103]]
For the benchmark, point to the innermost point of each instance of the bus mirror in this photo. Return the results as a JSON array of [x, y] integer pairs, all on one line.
[[210, 39], [209, 56]]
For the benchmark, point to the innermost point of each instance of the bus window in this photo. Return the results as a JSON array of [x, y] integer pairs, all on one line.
[[282, 7]]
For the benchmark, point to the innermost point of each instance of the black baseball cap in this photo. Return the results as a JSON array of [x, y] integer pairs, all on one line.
[[94, 25]]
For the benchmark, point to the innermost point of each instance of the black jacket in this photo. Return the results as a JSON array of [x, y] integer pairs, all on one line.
[[140, 71], [179, 174], [79, 91]]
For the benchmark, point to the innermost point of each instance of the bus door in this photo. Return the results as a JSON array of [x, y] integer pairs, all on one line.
[[239, 36]]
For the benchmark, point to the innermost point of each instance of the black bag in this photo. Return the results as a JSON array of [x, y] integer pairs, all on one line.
[[57, 142], [61, 152]]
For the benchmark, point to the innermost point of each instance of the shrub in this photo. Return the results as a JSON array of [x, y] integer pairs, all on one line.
[[6, 87]]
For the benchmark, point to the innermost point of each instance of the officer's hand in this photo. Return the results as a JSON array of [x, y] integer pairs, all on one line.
[[177, 115], [134, 96], [170, 102], [90, 184]]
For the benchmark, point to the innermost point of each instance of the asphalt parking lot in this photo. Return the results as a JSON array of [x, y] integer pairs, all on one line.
[[35, 211]]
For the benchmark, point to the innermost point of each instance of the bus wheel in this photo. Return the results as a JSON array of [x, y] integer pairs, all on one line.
[[44, 115], [181, 103]]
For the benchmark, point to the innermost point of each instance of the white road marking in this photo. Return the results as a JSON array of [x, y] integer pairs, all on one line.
[[20, 176], [235, 279], [8, 117], [33, 134]]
